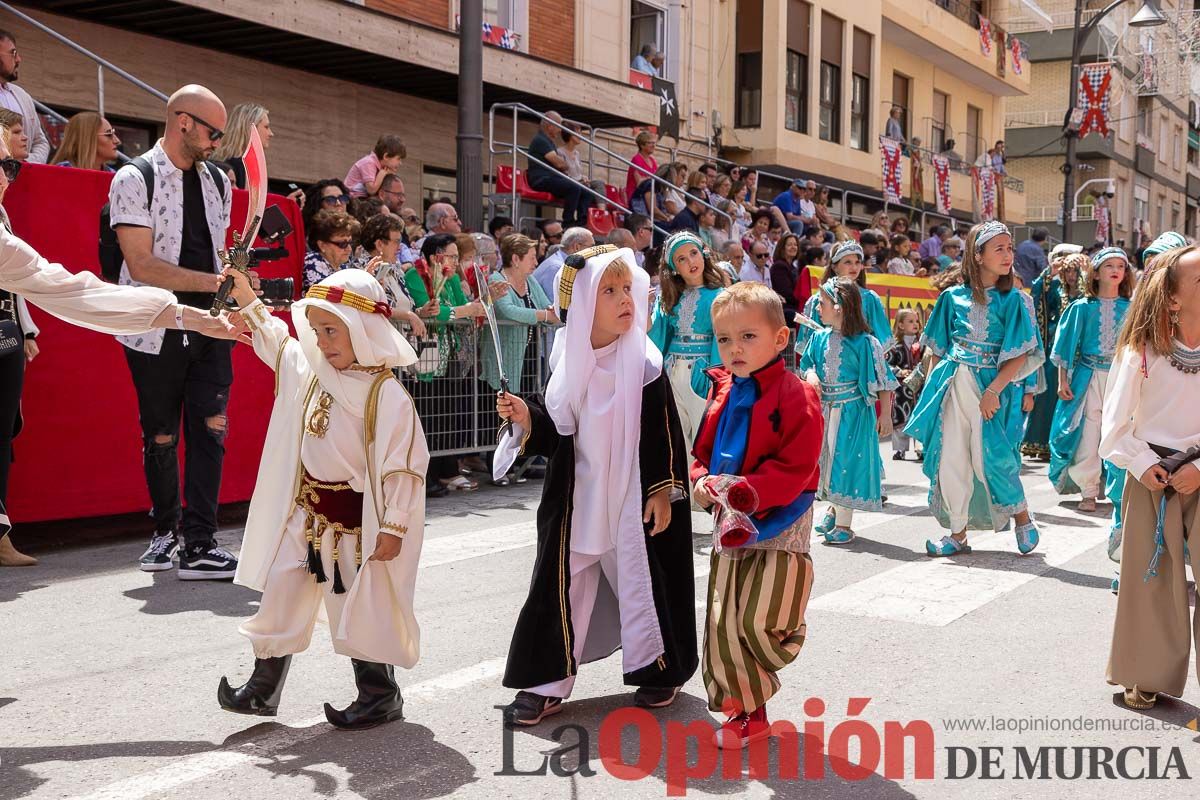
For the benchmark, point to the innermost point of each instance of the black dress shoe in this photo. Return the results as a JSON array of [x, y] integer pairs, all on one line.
[[655, 696], [260, 695], [379, 699], [529, 708], [898, 456], [436, 489]]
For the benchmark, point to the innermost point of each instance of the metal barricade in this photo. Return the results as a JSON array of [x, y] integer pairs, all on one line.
[[456, 405]]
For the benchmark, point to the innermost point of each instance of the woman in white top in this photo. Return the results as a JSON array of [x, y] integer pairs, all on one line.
[[1146, 419], [570, 152]]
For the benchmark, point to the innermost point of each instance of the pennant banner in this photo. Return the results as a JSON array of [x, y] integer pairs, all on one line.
[[1102, 221], [941, 183], [1095, 80], [1017, 50], [893, 170], [985, 36], [986, 183]]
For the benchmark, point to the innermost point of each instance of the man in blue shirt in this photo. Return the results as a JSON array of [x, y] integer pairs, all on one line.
[[1031, 256], [641, 62], [797, 207]]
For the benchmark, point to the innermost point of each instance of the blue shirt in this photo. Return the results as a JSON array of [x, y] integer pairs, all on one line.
[[642, 65], [1030, 261], [786, 203]]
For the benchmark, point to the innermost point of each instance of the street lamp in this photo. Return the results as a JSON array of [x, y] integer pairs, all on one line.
[[1148, 16]]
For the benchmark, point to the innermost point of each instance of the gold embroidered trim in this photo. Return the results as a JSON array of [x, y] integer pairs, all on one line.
[[279, 362], [420, 478], [315, 522], [395, 530], [256, 316], [562, 581], [318, 421], [369, 370], [667, 484]]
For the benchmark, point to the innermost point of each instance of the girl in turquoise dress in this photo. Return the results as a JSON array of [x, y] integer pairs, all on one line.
[[1083, 351], [846, 363], [1052, 292], [681, 324], [846, 261], [984, 347]]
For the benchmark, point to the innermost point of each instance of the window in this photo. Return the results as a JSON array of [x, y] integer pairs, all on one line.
[[748, 68], [900, 98], [860, 92], [974, 126], [500, 12], [831, 79], [1177, 150], [1162, 140], [1144, 119], [795, 109], [647, 25], [1128, 111], [1162, 212], [1174, 216], [937, 127], [831, 108]]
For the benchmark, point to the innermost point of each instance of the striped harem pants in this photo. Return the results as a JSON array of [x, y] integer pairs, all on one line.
[[755, 625]]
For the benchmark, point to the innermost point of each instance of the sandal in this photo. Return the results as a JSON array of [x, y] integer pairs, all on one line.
[[461, 484], [1087, 505], [1139, 700], [1027, 538], [839, 536]]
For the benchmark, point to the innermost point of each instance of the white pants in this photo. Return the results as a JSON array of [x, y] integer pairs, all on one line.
[[900, 441], [1086, 468], [292, 597], [962, 447], [689, 404], [586, 571], [844, 516]]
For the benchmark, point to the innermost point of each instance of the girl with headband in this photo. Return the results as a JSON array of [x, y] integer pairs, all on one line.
[[984, 346], [1149, 430], [845, 362], [681, 324], [338, 510], [1052, 291], [847, 260]]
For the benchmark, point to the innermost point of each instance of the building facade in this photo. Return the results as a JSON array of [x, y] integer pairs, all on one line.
[[807, 88], [1149, 161]]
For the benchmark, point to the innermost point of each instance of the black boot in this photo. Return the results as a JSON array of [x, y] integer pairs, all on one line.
[[260, 695], [379, 699]]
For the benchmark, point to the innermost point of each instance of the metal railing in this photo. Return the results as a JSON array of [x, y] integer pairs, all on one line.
[[512, 148]]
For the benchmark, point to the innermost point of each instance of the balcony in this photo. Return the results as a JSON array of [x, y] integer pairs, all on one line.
[[946, 33]]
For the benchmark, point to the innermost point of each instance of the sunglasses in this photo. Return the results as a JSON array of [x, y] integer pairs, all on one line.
[[341, 244], [11, 168], [214, 133], [335, 200], [758, 255], [553, 237], [109, 134]]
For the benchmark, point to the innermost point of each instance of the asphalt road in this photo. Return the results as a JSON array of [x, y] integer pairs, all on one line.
[[108, 679]]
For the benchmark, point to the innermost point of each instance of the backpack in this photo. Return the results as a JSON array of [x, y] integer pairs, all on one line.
[[109, 248]]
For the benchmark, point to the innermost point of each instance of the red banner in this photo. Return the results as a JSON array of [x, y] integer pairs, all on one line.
[[893, 170], [80, 453], [941, 183], [1095, 80]]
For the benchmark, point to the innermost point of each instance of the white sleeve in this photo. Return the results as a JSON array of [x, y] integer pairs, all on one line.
[[1118, 443], [273, 343], [80, 298], [405, 460], [28, 326]]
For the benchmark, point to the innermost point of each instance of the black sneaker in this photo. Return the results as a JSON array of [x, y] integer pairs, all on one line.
[[530, 709], [159, 555], [206, 562], [655, 696]]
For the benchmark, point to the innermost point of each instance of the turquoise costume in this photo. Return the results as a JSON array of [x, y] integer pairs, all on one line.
[[686, 333], [966, 335], [1050, 298], [873, 310], [852, 371], [1084, 345]]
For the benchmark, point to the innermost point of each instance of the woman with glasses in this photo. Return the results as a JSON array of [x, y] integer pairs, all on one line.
[[329, 194], [89, 142], [333, 235]]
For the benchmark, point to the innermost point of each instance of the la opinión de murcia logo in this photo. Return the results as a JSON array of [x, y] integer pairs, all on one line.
[[852, 750]]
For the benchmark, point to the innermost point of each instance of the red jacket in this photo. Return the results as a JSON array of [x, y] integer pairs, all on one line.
[[786, 432]]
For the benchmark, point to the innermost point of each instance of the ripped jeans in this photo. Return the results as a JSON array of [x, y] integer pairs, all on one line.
[[190, 383]]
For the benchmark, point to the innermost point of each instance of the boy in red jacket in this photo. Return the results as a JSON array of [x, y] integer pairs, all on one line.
[[762, 423]]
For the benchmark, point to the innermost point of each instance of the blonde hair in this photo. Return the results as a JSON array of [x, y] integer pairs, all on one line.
[[750, 295], [1148, 323], [242, 118], [80, 140], [901, 315]]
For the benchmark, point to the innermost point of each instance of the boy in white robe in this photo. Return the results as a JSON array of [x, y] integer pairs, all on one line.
[[339, 507]]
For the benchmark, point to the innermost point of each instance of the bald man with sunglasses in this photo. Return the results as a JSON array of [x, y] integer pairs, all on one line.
[[180, 377]]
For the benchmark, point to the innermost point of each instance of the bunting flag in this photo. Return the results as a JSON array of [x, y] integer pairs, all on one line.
[[941, 183], [985, 36], [916, 189], [1095, 81], [1017, 50], [1102, 222], [501, 37], [986, 184], [893, 170]]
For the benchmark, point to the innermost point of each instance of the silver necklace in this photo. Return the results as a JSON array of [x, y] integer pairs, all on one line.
[[1184, 359]]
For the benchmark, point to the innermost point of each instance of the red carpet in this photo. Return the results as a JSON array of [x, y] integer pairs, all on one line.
[[80, 453]]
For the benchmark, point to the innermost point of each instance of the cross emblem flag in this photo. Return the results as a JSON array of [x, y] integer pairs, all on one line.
[[1094, 83], [893, 170], [985, 36], [941, 183]]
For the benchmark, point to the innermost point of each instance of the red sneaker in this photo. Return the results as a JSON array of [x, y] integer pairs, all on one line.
[[743, 729]]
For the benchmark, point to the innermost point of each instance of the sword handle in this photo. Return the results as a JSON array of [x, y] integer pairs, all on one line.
[[219, 301]]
